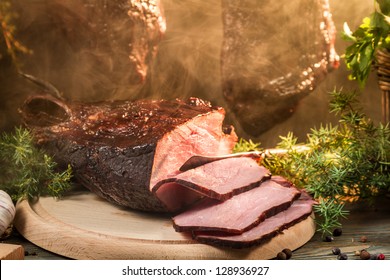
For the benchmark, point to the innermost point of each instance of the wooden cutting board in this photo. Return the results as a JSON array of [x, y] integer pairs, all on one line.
[[83, 226]]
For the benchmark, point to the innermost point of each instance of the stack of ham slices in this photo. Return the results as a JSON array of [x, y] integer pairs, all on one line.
[[242, 204]]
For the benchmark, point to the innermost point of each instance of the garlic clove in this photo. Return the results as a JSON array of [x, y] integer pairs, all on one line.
[[7, 211]]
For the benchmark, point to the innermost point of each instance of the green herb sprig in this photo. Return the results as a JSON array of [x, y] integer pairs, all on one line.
[[370, 36], [343, 163], [244, 145], [26, 171]]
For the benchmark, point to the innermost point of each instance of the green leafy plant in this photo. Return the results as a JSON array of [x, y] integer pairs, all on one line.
[[244, 145], [28, 172], [343, 163], [372, 35]]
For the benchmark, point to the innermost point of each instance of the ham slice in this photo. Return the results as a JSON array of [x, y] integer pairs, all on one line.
[[198, 160], [270, 227], [239, 213], [220, 179]]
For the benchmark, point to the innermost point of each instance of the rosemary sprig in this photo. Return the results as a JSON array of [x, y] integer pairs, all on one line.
[[330, 213], [343, 163], [27, 171], [244, 145]]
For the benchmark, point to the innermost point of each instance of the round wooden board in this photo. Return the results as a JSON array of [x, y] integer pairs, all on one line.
[[83, 226]]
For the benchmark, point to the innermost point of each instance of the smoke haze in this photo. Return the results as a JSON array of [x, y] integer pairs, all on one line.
[[80, 48]]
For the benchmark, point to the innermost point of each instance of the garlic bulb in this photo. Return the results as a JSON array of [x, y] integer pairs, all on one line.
[[7, 211]]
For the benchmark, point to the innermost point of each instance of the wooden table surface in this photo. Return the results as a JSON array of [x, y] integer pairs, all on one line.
[[373, 222]]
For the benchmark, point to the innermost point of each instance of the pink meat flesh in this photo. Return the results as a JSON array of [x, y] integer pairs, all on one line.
[[270, 227], [239, 213], [200, 135], [220, 179]]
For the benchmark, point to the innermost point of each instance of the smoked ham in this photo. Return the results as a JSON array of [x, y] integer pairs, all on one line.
[[121, 150], [240, 213], [220, 180], [132, 154], [264, 231]]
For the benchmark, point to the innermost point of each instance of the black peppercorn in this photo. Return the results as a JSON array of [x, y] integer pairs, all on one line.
[[281, 256], [342, 256], [328, 238], [337, 232], [364, 255], [336, 251], [288, 253]]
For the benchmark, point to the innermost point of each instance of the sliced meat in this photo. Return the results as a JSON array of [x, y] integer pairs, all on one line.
[[199, 160], [239, 213], [282, 181], [120, 150], [264, 231], [220, 179]]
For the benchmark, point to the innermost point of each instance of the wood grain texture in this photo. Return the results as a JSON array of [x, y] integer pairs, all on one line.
[[83, 226], [365, 219], [11, 252]]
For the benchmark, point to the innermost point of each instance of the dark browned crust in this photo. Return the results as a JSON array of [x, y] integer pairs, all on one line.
[[117, 123]]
